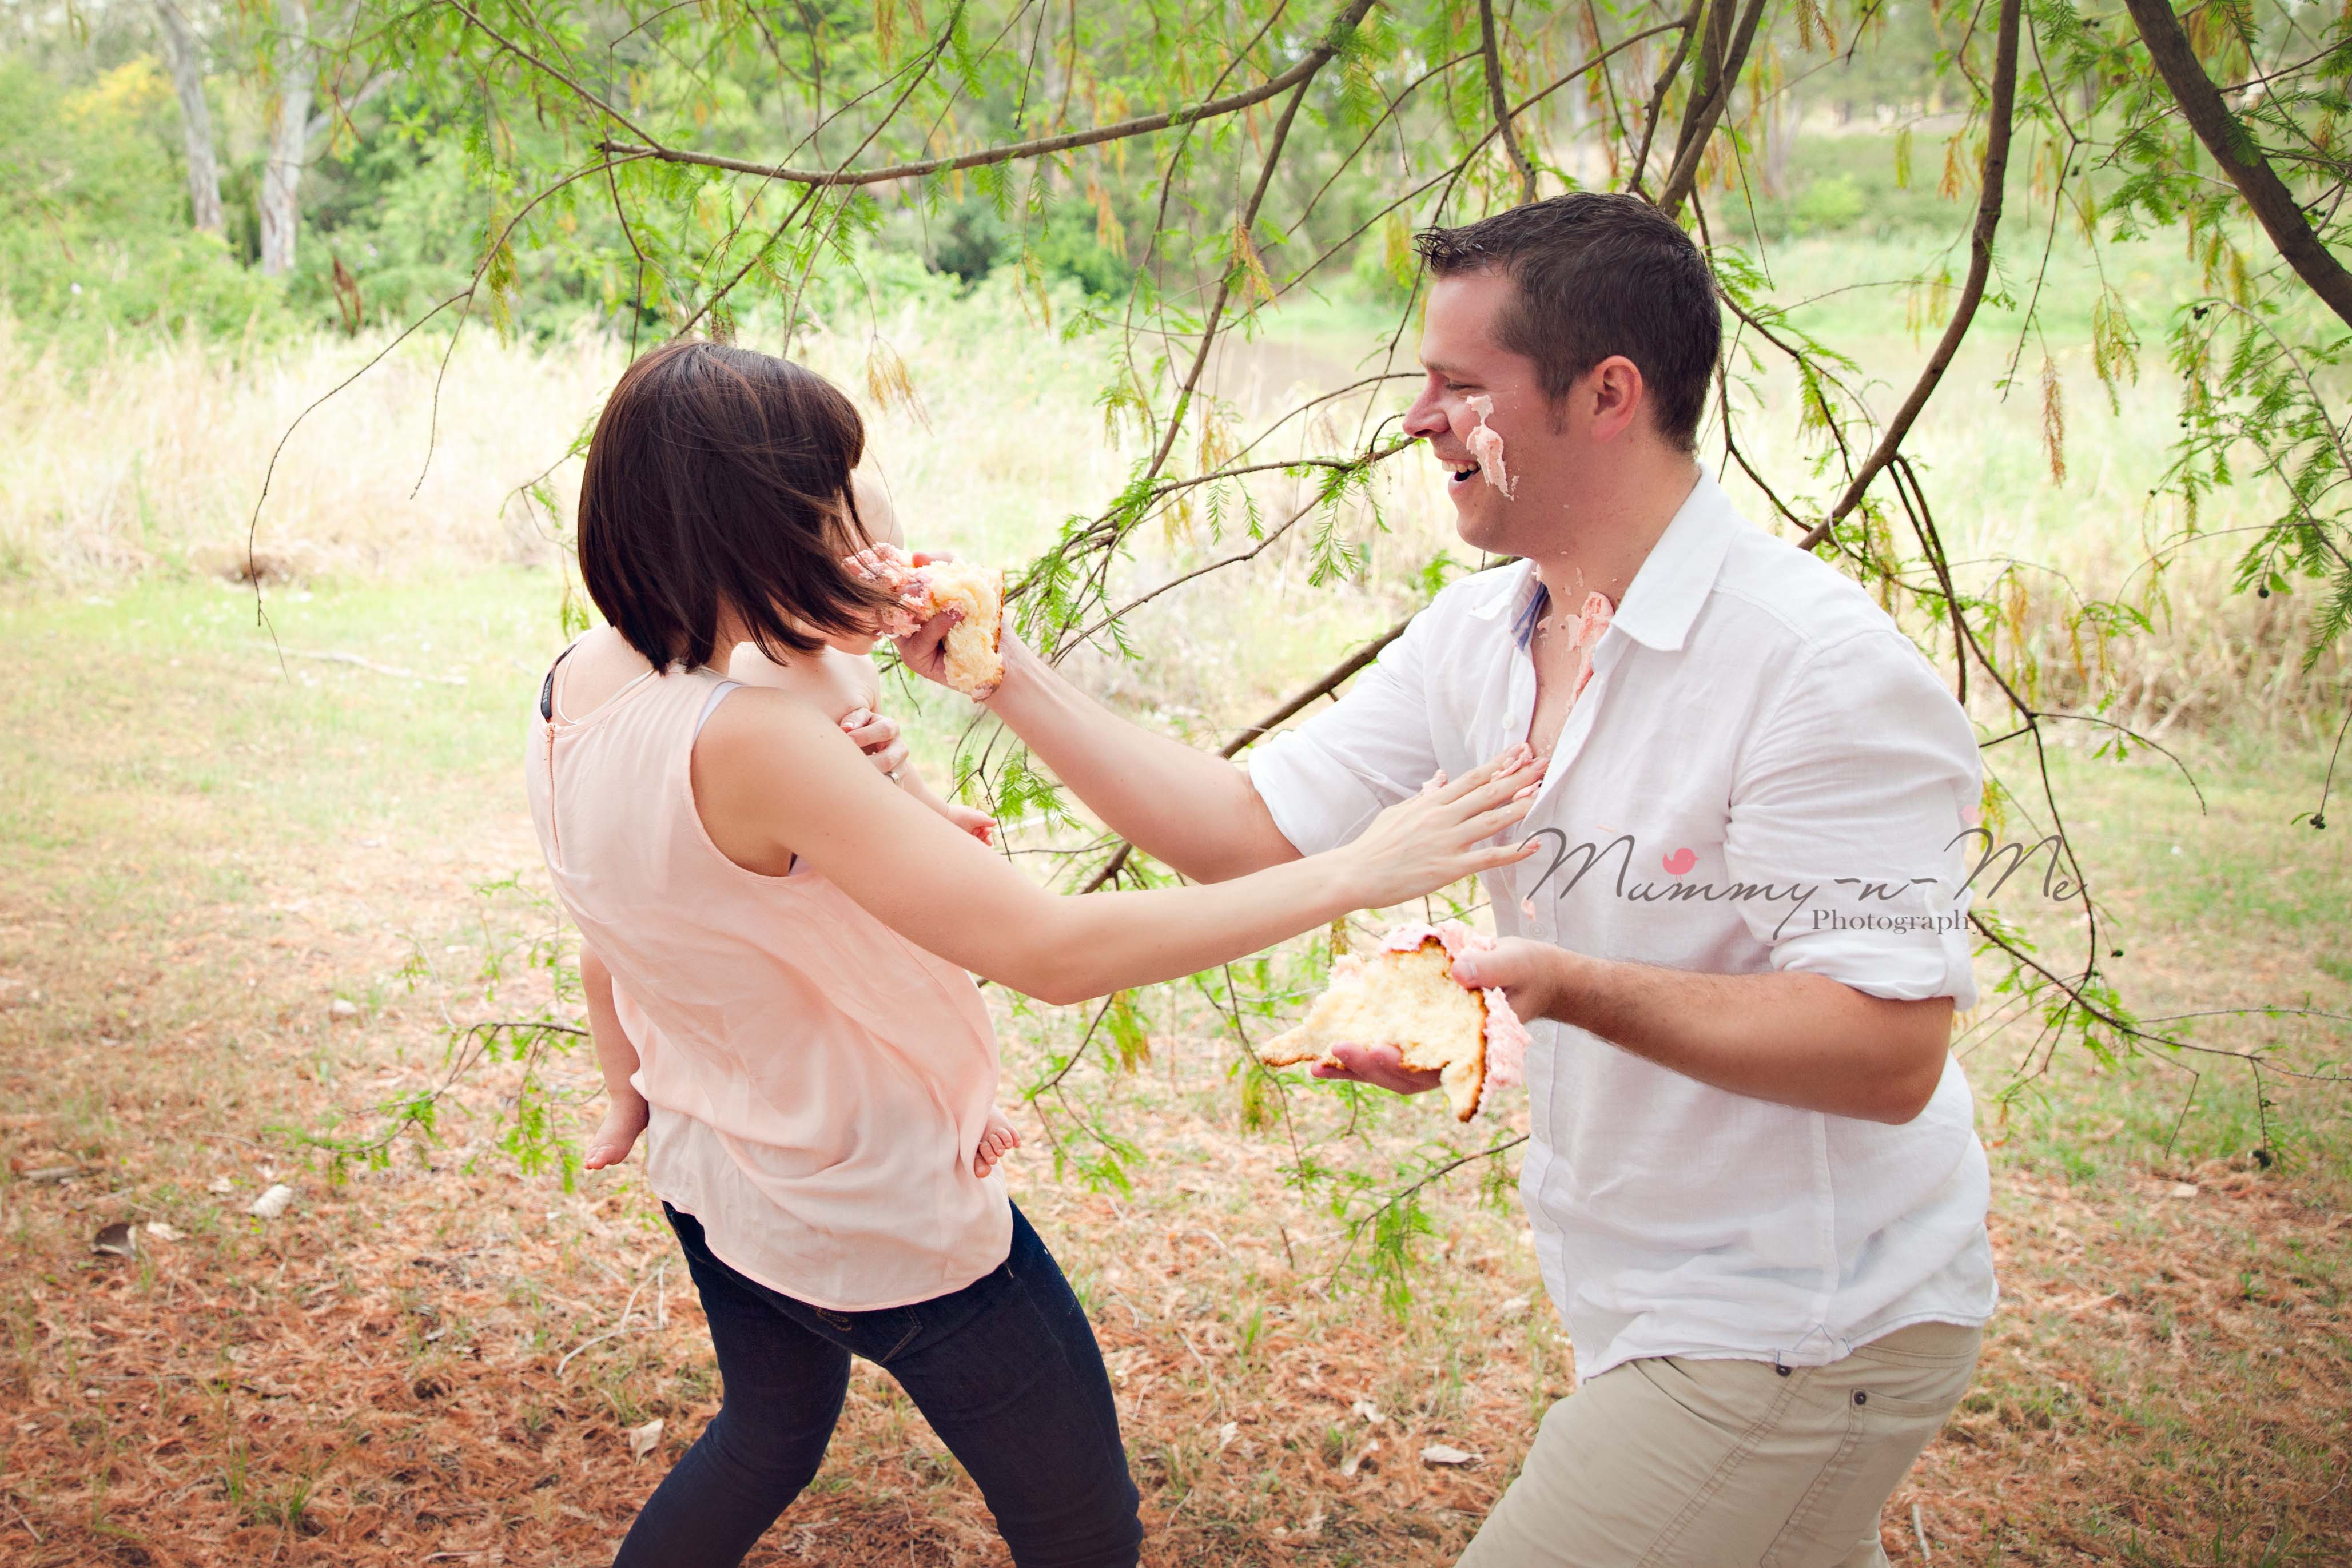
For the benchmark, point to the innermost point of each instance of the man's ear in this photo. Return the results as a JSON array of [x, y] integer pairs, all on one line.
[[1616, 395]]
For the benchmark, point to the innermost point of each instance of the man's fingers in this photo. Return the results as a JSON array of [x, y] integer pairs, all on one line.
[[1381, 1066]]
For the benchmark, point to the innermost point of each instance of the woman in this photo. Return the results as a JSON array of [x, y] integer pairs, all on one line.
[[784, 936]]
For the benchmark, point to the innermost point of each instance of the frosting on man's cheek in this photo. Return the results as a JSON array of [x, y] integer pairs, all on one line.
[[1486, 444]]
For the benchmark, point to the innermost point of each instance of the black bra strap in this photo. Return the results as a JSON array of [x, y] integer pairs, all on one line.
[[547, 687]]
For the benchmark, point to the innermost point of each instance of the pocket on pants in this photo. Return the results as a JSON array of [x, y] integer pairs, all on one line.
[[1894, 1405], [1895, 1378]]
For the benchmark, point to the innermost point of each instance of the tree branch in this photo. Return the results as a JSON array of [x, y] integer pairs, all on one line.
[[602, 108], [1996, 172], [1314, 61], [1655, 110], [1502, 104], [1699, 124], [2235, 150]]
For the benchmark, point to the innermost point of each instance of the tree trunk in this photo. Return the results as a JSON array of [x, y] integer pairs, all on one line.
[[2232, 147], [281, 173], [184, 54]]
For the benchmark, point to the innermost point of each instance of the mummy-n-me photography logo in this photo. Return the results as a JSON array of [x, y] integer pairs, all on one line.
[[1859, 904]]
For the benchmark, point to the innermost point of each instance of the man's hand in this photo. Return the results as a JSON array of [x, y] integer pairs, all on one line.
[[1528, 973], [1382, 1066]]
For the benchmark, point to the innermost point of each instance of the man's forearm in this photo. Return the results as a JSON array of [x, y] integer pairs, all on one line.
[[1185, 806], [1794, 1038]]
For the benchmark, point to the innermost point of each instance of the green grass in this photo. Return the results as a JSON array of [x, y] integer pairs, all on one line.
[[159, 726]]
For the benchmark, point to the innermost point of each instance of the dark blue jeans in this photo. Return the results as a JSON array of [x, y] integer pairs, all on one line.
[[1006, 1370]]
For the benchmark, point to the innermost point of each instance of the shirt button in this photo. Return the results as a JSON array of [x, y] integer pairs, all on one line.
[[1859, 1397]]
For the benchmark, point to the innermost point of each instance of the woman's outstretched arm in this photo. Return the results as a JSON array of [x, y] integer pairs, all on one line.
[[917, 874]]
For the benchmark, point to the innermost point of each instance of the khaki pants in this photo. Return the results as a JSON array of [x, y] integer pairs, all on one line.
[[1669, 1463]]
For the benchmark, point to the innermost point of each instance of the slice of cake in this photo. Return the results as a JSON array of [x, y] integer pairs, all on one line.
[[1405, 995], [972, 658]]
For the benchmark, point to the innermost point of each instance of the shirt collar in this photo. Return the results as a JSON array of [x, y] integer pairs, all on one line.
[[1518, 588], [1665, 593]]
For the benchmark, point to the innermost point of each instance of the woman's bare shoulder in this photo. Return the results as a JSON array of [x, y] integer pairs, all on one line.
[[592, 669], [746, 665], [861, 674]]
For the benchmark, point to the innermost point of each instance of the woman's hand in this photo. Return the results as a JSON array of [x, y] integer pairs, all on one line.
[[924, 651], [878, 737], [1420, 844]]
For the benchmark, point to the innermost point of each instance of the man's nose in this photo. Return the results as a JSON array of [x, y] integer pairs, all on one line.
[[1426, 417]]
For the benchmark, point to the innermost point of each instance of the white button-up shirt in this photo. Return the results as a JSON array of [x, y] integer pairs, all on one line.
[[1763, 774]]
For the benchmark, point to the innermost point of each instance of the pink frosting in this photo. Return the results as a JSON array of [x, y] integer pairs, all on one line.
[[1597, 612], [897, 571], [1507, 1038], [1486, 444]]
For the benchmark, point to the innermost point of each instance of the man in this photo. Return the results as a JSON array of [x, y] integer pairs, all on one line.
[[1755, 1189]]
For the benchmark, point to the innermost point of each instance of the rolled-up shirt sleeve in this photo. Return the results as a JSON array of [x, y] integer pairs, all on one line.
[[1325, 781], [1857, 791]]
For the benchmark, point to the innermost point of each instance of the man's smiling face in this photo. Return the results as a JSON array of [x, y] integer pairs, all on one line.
[[1468, 369]]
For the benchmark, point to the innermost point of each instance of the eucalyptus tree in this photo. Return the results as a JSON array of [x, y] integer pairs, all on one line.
[[722, 155]]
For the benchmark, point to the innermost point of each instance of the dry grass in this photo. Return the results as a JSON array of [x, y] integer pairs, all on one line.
[[203, 852], [204, 847]]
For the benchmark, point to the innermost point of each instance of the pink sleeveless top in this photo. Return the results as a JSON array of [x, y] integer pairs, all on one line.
[[818, 1083]]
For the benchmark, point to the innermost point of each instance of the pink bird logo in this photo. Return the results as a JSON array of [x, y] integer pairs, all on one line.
[[1679, 863]]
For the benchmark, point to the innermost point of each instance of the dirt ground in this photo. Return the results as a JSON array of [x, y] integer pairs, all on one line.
[[235, 909]]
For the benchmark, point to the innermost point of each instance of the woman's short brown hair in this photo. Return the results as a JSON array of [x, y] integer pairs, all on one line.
[[719, 478]]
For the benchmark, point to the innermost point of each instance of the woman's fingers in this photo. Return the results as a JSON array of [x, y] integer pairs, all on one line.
[[1487, 823], [921, 648], [1501, 766], [1494, 856], [1510, 792]]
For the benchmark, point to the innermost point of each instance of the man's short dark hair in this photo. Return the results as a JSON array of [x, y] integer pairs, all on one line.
[[1595, 274], [719, 478]]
